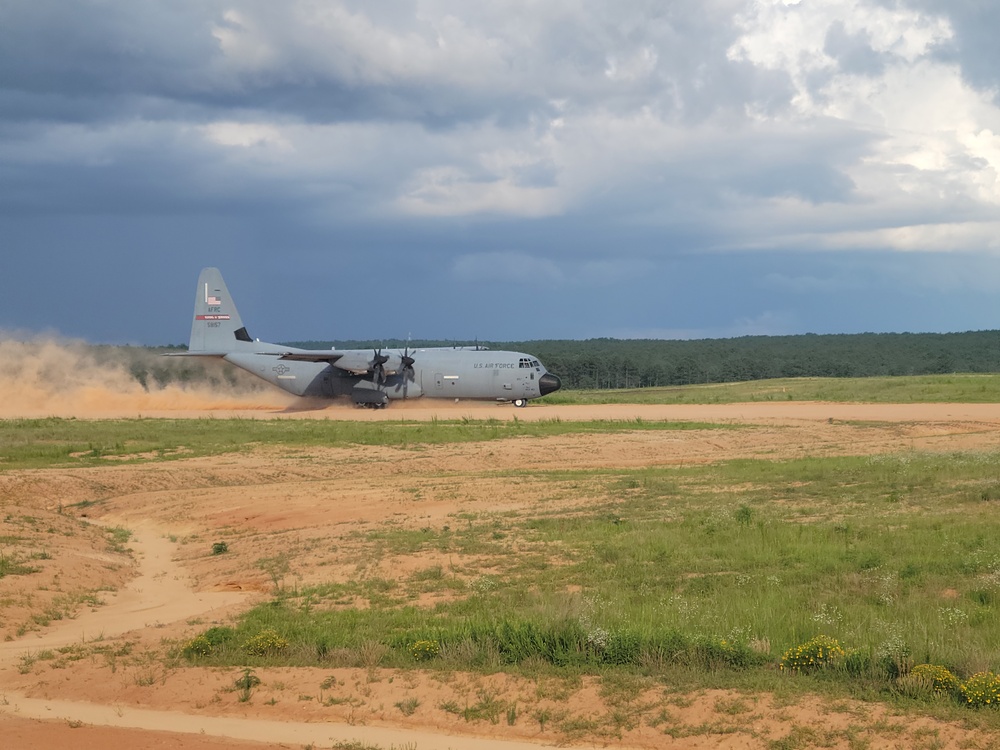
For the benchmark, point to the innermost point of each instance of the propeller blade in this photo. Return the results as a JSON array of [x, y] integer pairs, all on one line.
[[407, 363], [378, 370], [407, 360]]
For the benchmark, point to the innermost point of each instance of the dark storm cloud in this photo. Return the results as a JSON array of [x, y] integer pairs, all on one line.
[[974, 47], [416, 165], [347, 61], [96, 56]]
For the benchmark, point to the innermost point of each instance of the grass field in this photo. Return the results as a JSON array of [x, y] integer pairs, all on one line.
[[41, 443], [958, 388], [699, 571], [695, 575]]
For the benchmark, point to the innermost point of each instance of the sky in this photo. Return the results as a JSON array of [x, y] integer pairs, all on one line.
[[505, 171]]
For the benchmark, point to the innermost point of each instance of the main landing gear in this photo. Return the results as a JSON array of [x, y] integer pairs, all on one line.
[[370, 398]]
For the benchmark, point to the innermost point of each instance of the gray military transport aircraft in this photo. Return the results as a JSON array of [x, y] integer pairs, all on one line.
[[370, 377]]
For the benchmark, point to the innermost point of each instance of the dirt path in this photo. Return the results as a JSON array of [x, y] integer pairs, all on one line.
[[161, 593], [281, 733], [769, 412]]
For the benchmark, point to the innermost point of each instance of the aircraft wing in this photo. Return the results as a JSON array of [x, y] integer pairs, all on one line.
[[318, 356], [356, 361], [195, 354]]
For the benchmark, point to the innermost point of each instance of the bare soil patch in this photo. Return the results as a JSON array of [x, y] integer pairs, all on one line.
[[98, 673]]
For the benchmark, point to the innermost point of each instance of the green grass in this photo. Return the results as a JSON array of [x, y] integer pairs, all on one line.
[[12, 565], [715, 570], [118, 537], [39, 443], [958, 388], [36, 443]]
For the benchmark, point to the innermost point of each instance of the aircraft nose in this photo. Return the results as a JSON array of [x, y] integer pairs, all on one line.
[[548, 383]]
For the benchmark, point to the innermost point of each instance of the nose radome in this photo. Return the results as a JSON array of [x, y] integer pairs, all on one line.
[[548, 383]]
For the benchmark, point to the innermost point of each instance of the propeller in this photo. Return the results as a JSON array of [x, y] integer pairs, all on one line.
[[378, 367], [407, 367], [407, 362]]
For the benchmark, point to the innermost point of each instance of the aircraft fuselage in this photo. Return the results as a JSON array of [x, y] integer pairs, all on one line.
[[371, 377], [437, 373]]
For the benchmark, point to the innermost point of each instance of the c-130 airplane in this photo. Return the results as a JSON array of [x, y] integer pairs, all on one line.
[[370, 377]]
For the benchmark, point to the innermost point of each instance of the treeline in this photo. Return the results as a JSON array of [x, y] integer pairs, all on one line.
[[641, 363]]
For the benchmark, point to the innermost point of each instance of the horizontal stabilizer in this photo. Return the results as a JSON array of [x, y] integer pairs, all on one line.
[[195, 354]]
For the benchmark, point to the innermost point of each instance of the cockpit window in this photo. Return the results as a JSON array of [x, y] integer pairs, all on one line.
[[527, 364]]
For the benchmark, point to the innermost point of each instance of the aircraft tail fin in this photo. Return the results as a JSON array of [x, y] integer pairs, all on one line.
[[216, 327]]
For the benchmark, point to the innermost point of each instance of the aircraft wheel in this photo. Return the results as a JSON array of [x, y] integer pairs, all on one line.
[[520, 402]]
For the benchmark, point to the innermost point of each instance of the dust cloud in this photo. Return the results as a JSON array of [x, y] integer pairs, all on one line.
[[49, 376]]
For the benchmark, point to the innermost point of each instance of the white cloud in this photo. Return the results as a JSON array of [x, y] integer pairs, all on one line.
[[640, 64], [733, 120], [246, 135], [449, 191], [243, 42], [934, 151], [955, 236], [305, 42], [793, 38]]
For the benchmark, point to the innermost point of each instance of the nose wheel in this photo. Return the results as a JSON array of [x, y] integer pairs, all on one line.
[[520, 402]]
